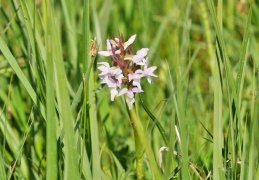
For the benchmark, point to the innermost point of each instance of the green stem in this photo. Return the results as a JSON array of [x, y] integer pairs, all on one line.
[[139, 149]]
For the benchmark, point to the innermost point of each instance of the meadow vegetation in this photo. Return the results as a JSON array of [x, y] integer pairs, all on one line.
[[197, 120]]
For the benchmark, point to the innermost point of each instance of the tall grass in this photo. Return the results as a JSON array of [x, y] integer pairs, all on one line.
[[57, 120]]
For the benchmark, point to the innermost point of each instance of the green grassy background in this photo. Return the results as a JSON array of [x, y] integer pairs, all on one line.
[[57, 121]]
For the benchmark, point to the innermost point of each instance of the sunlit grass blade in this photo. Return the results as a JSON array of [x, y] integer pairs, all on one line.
[[225, 58], [19, 156], [28, 24], [245, 154], [95, 18], [120, 169], [208, 34], [103, 17], [85, 168], [180, 112], [52, 169], [87, 61], [217, 122], [90, 87], [232, 89], [171, 101], [10, 138], [243, 55], [239, 88], [253, 127], [69, 15], [30, 30], [11, 60], [86, 37], [96, 167], [71, 157], [157, 123], [2, 165], [85, 141]]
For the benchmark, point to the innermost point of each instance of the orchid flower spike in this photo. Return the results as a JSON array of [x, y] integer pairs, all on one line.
[[126, 70]]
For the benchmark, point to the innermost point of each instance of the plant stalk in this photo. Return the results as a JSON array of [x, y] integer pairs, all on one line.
[[139, 149]]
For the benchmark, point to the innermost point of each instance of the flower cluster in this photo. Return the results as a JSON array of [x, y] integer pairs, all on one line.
[[126, 68]]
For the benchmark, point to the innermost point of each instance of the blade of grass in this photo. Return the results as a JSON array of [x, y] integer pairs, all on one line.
[[104, 16], [244, 167], [85, 165], [87, 61], [86, 37], [71, 160], [239, 87], [50, 102], [28, 24], [70, 28], [242, 59], [226, 62], [181, 119], [157, 123], [2, 165], [217, 122], [28, 27], [11, 60], [87, 65], [10, 138], [98, 32], [252, 131], [96, 167], [19, 156]]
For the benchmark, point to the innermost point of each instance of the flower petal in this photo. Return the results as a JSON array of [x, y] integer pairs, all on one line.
[[114, 92], [130, 41], [104, 63], [137, 58], [119, 78], [143, 52], [115, 71], [105, 53], [104, 68], [109, 43], [149, 79], [149, 71], [137, 83], [130, 94], [130, 102], [123, 91], [136, 90]]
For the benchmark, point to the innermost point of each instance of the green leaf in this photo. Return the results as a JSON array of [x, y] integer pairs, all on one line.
[[71, 157], [157, 123], [11, 60], [52, 169]]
